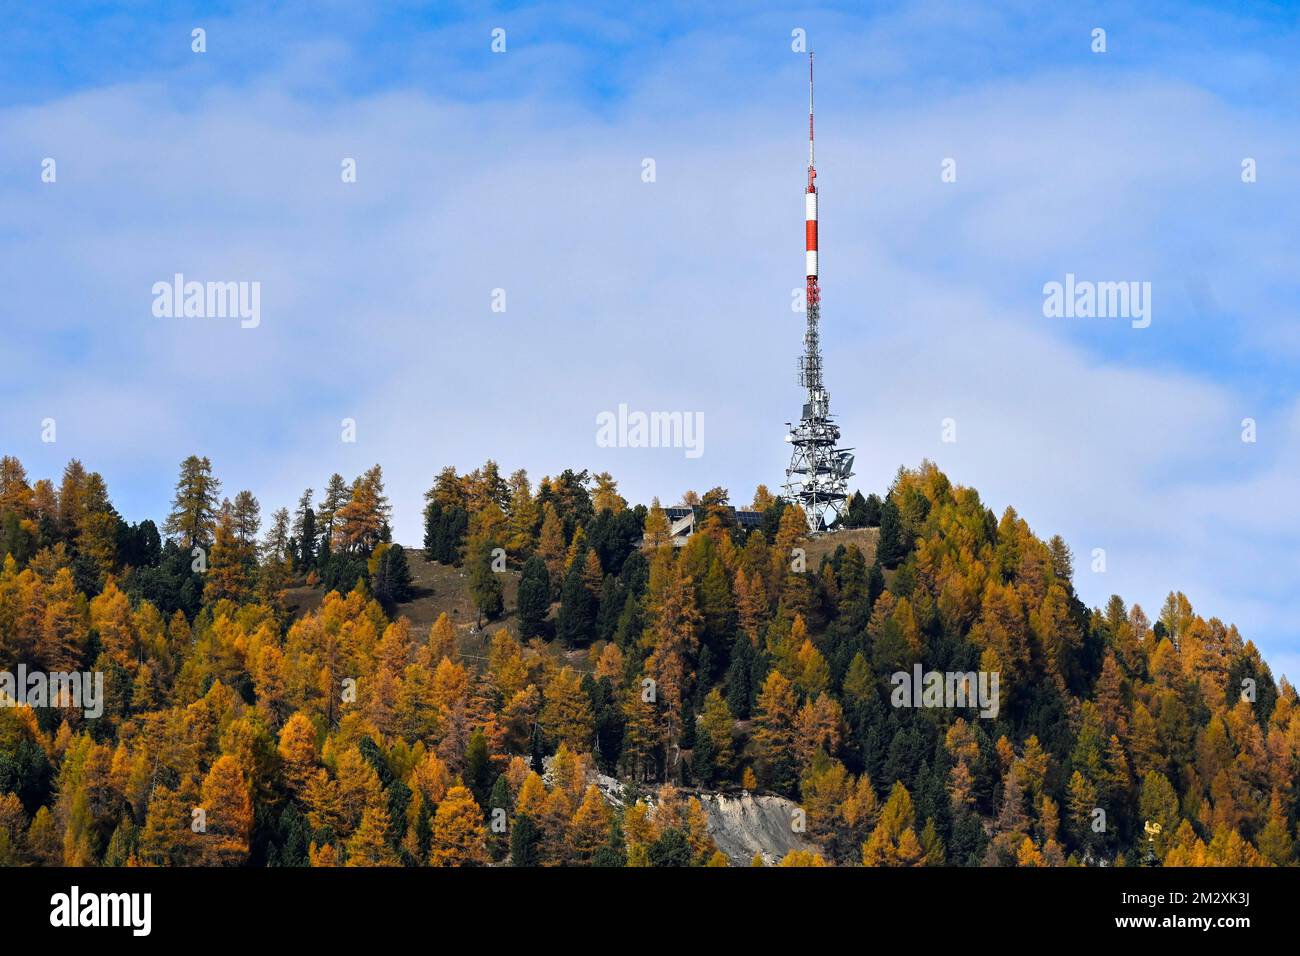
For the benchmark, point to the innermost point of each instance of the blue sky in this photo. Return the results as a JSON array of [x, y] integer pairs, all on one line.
[[522, 171]]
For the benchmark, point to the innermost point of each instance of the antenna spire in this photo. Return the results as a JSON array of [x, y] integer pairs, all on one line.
[[810, 109]]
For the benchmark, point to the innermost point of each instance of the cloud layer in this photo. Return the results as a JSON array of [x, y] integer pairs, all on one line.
[[675, 295]]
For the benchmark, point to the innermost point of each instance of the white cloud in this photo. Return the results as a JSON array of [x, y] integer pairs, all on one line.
[[675, 296]]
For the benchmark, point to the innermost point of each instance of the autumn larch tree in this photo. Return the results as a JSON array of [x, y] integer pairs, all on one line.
[[228, 814], [362, 520], [774, 732], [458, 834]]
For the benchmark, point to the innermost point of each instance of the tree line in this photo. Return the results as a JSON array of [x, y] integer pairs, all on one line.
[[339, 735]]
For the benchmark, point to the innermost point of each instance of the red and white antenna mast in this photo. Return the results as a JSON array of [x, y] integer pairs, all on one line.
[[810, 199], [819, 471]]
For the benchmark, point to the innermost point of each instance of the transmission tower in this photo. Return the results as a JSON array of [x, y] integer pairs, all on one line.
[[819, 472]]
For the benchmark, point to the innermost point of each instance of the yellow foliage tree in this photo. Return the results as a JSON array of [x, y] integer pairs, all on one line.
[[458, 833]]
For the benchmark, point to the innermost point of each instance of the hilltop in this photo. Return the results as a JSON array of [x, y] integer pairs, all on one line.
[[329, 697]]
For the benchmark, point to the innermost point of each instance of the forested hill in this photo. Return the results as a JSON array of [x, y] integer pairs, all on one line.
[[265, 701]]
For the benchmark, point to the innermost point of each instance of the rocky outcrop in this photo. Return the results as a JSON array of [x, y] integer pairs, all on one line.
[[745, 823], [741, 823]]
